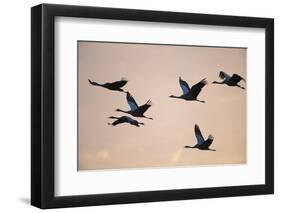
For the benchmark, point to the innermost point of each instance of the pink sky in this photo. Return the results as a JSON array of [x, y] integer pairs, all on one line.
[[152, 72]]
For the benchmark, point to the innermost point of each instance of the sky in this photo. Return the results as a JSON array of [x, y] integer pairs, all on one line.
[[152, 72]]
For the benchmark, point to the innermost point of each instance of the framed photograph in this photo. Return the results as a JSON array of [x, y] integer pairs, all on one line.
[[139, 106]]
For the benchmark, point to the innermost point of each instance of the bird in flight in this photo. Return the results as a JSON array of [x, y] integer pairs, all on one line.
[[115, 86], [190, 94], [135, 110], [230, 80], [125, 119], [201, 144]]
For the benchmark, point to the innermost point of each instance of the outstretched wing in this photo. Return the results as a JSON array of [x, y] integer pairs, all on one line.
[[119, 84], [198, 135], [131, 101], [209, 141], [224, 76], [131, 120], [142, 109], [120, 120], [236, 78], [184, 86], [196, 88]]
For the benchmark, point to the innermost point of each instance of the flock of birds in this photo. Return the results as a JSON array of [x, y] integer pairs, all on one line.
[[188, 94]]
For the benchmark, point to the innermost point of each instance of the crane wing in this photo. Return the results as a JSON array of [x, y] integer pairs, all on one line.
[[120, 120], [236, 78], [131, 120], [198, 135], [196, 88], [142, 109], [184, 86], [118, 84], [224, 75], [131, 101], [209, 141]]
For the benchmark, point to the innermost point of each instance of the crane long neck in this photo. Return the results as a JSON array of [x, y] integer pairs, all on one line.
[[120, 110], [94, 83], [173, 96], [191, 147], [216, 82], [113, 117]]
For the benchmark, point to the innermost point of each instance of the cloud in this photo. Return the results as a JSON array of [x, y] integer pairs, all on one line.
[[176, 156]]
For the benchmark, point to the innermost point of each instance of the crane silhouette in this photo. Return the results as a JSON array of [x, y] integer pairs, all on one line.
[[135, 110], [190, 94], [201, 144], [115, 86], [125, 119], [230, 80]]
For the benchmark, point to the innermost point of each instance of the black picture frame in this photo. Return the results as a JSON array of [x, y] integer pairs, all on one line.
[[43, 102]]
